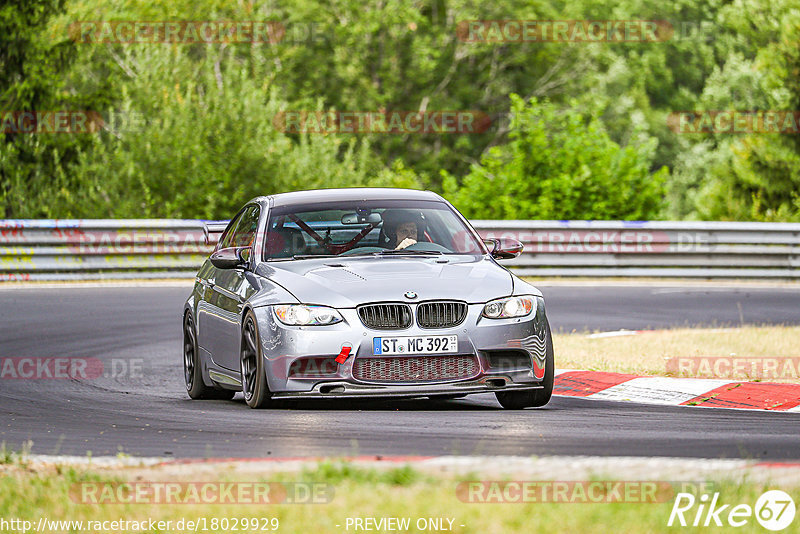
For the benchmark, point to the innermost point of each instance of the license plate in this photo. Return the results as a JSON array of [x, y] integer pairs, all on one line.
[[414, 345]]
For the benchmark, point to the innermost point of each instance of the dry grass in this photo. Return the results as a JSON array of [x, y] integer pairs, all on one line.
[[647, 353]]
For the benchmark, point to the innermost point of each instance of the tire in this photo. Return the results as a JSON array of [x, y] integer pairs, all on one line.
[[192, 372], [254, 378], [534, 398]]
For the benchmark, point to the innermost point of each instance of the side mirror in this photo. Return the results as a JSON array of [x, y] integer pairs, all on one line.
[[504, 248], [231, 258]]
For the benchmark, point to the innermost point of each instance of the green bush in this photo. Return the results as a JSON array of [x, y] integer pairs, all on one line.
[[560, 164], [203, 145]]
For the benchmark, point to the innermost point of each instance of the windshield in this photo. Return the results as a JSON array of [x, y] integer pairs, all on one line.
[[367, 228]]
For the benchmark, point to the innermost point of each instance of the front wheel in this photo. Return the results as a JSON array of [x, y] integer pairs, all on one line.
[[534, 398], [192, 372], [254, 379]]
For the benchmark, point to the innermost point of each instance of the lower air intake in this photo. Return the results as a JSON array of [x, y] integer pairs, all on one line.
[[415, 368]]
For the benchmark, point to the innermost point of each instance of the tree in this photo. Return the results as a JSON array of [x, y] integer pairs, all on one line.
[[755, 175], [560, 164], [31, 67]]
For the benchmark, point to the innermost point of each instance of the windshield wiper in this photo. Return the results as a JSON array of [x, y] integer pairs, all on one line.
[[410, 252], [400, 252], [304, 257]]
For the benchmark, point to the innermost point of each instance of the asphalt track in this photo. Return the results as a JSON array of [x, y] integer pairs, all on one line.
[[145, 411]]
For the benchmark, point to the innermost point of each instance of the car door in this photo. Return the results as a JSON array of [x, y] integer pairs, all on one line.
[[208, 307], [230, 290]]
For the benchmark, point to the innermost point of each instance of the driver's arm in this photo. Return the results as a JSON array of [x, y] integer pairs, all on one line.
[[407, 242]]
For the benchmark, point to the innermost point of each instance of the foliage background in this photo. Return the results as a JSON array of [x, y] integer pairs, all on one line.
[[587, 135]]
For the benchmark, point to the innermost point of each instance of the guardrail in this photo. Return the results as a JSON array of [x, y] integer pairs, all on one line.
[[82, 249], [652, 248], [167, 248]]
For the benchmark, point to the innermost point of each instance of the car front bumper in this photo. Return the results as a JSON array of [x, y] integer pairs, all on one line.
[[488, 340]]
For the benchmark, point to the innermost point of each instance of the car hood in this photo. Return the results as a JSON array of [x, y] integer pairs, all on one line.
[[346, 283]]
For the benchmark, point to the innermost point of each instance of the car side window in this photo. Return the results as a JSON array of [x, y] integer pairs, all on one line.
[[246, 229], [227, 238]]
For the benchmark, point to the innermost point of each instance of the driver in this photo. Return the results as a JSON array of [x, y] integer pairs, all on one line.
[[405, 235], [401, 229]]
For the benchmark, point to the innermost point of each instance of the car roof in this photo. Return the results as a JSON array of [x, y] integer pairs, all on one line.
[[346, 194]]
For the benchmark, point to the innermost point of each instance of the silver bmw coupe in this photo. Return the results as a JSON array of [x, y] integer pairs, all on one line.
[[344, 293]]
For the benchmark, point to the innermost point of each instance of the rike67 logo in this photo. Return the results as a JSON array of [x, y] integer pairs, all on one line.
[[774, 510]]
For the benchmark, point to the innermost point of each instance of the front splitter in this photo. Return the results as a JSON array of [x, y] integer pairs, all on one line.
[[338, 390]]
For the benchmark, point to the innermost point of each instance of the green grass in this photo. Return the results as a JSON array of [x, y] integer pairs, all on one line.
[[10, 457], [336, 472], [403, 491], [6, 454]]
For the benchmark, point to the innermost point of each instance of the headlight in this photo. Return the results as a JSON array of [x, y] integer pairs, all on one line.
[[509, 307], [302, 315]]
